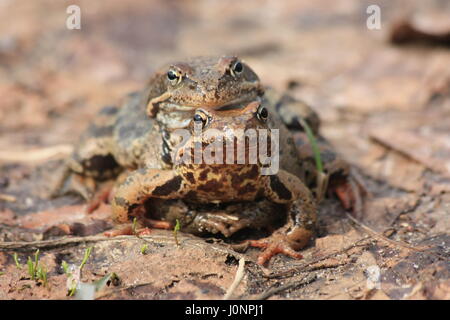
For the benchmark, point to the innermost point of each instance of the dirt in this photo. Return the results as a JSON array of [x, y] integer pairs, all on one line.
[[384, 107]]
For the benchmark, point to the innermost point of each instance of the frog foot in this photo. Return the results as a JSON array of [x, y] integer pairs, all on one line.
[[221, 222], [127, 231], [273, 245], [157, 224], [101, 196], [350, 193], [68, 182], [149, 225], [346, 195]]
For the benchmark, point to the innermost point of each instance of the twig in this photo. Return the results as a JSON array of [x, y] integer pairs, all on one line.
[[382, 237], [42, 154], [408, 210], [354, 285], [65, 242], [7, 197], [237, 279], [116, 290], [54, 243], [305, 265], [305, 280]]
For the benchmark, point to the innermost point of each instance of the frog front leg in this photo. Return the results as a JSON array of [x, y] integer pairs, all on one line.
[[143, 184], [301, 218]]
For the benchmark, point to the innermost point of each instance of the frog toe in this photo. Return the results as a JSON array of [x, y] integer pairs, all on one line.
[[273, 245], [78, 185], [157, 224], [351, 193]]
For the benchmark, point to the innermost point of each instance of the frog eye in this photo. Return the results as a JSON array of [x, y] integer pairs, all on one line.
[[174, 77], [201, 117], [262, 114], [236, 68]]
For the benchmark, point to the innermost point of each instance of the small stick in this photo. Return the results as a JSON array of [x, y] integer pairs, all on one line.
[[7, 197], [380, 236], [237, 279], [305, 265], [37, 155], [65, 242], [266, 294]]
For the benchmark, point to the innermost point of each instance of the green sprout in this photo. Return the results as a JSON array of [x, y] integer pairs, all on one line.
[[36, 270], [175, 231], [41, 274], [36, 260], [87, 253], [82, 290], [31, 271], [72, 290], [322, 177], [65, 266], [144, 248], [315, 147], [134, 225], [16, 260], [75, 276]]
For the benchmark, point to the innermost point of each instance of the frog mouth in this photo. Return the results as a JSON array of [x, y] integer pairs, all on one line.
[[178, 107], [232, 105], [236, 104]]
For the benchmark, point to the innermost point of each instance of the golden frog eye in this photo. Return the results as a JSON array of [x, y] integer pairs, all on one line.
[[200, 117], [262, 114], [174, 77], [236, 68]]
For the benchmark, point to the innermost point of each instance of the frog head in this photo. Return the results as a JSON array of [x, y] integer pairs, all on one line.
[[204, 82], [219, 154]]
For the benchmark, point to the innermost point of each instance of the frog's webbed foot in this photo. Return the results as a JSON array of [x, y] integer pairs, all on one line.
[[275, 244], [301, 218], [69, 182], [350, 191], [294, 235], [88, 188], [143, 184], [220, 222], [128, 230], [102, 195]]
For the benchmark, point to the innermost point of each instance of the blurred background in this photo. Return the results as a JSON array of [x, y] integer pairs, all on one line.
[[323, 49]]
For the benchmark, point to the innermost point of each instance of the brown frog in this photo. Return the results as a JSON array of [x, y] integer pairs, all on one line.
[[218, 175], [223, 93]]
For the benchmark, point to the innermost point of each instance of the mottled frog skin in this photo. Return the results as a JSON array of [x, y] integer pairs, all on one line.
[[135, 144]]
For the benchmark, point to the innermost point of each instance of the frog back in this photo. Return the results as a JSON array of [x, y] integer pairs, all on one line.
[[136, 136]]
